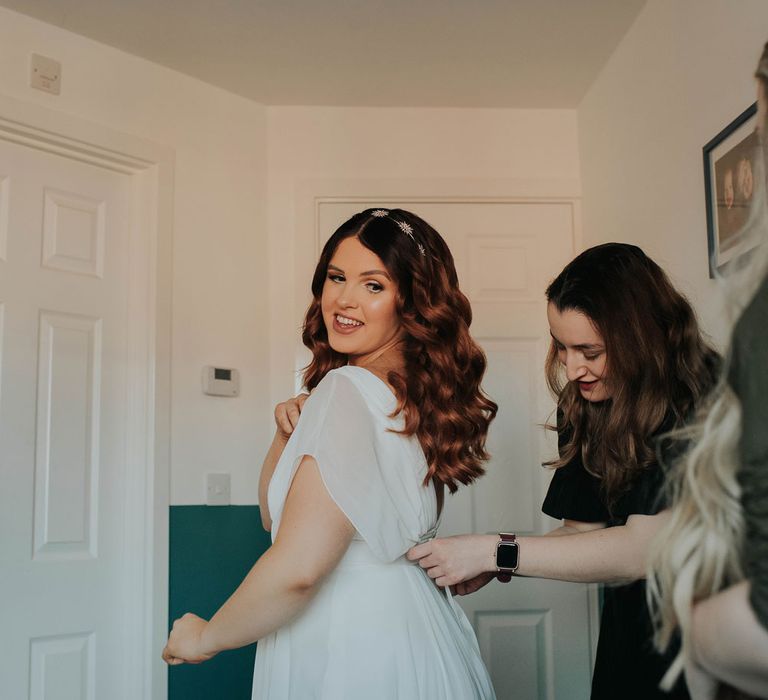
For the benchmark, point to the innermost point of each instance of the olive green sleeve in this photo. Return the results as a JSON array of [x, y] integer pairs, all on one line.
[[754, 481], [749, 379]]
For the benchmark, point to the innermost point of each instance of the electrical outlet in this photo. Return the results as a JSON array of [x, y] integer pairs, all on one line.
[[45, 74], [218, 490]]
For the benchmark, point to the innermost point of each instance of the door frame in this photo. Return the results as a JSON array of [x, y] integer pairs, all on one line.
[[150, 167]]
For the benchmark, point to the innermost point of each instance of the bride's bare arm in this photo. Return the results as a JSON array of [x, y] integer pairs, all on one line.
[[286, 418], [314, 534], [267, 469]]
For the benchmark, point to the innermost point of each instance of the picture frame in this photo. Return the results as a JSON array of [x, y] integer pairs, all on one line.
[[731, 164]]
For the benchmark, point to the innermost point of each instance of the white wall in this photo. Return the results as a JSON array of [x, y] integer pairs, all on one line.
[[220, 289], [682, 73], [234, 305], [367, 152]]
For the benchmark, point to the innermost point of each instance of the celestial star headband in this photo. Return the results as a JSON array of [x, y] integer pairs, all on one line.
[[405, 227]]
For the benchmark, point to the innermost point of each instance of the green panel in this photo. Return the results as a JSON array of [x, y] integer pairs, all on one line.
[[211, 550]]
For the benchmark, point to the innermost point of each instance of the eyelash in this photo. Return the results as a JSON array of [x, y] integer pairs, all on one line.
[[589, 358], [372, 287]]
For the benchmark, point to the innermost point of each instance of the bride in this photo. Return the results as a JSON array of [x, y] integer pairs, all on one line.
[[395, 415]]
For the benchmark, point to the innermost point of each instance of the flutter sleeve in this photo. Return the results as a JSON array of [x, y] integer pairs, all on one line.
[[375, 492], [574, 494]]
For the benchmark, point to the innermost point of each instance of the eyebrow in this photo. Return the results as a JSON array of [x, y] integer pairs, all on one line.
[[580, 346], [367, 273]]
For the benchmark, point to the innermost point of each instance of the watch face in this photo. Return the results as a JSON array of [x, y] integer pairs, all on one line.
[[506, 555]]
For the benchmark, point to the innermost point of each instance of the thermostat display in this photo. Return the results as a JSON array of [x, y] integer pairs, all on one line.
[[221, 381]]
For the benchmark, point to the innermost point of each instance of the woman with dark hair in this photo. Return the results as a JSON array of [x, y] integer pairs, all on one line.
[[635, 366], [396, 415]]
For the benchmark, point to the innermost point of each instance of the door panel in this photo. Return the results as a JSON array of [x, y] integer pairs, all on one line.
[[64, 287]]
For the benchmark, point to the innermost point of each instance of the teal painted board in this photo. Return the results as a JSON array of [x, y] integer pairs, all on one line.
[[211, 550]]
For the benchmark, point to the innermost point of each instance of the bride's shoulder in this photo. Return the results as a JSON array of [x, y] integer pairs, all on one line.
[[350, 377], [341, 385]]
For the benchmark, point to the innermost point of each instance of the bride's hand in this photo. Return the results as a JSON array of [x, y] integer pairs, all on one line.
[[184, 644], [287, 415]]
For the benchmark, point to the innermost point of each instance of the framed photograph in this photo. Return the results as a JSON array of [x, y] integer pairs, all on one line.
[[730, 169]]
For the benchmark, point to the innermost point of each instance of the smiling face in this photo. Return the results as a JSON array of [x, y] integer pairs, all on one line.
[[359, 303], [581, 350]]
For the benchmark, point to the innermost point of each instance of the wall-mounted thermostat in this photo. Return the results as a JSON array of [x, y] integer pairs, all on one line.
[[221, 381]]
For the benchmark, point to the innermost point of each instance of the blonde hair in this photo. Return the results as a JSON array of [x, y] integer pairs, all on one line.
[[699, 550]]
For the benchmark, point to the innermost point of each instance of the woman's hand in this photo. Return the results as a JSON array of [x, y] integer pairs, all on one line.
[[184, 644], [453, 560], [728, 643], [287, 415], [701, 685]]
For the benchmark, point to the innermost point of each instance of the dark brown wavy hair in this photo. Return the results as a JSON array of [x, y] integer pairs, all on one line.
[[439, 394], [658, 369]]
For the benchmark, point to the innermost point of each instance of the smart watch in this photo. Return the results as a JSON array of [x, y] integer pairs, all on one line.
[[507, 556]]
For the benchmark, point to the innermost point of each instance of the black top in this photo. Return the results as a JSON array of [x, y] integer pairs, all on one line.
[[748, 376], [627, 666]]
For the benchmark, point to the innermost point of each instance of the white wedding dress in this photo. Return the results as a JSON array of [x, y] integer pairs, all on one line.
[[378, 629]]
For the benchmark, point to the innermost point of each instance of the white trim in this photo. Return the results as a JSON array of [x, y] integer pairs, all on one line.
[[149, 332]]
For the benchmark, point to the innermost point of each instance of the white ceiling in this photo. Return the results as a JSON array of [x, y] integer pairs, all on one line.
[[421, 53]]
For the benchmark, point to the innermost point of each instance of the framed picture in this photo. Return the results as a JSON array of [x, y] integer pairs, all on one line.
[[730, 171]]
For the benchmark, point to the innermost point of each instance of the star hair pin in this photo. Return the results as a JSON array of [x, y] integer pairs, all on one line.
[[379, 212], [407, 229]]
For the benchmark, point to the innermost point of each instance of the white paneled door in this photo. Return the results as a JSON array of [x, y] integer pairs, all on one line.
[[535, 636], [65, 229]]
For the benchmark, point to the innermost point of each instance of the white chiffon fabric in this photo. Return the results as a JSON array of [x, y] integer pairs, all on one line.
[[378, 628]]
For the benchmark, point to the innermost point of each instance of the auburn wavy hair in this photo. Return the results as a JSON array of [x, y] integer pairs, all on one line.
[[658, 368], [439, 393]]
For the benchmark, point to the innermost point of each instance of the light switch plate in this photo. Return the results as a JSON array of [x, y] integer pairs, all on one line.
[[218, 490]]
